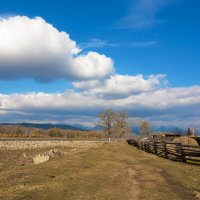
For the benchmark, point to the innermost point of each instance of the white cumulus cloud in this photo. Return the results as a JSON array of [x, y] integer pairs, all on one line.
[[33, 48], [164, 105], [122, 85]]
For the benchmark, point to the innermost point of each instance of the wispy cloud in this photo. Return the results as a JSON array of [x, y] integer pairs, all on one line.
[[142, 44], [143, 14], [98, 43]]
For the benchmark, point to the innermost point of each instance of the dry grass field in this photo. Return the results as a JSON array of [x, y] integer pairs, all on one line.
[[103, 172]]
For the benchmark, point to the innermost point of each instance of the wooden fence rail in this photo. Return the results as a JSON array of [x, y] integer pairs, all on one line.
[[170, 150]]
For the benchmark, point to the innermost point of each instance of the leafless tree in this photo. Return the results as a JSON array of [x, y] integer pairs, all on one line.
[[115, 122], [145, 128], [121, 125], [107, 119]]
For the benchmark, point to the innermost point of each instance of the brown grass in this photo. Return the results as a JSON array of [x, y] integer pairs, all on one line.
[[112, 171]]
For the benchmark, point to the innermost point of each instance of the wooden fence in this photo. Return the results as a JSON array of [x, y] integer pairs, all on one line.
[[170, 150]]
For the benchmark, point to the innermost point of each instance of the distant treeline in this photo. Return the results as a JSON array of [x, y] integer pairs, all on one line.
[[30, 132]]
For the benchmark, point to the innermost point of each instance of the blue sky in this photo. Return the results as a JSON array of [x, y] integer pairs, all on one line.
[[142, 47]]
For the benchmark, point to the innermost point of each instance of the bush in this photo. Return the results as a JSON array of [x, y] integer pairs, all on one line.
[[55, 132]]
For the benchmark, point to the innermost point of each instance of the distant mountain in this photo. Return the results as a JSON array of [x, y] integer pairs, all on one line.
[[45, 126], [81, 127], [136, 130], [97, 128], [171, 129]]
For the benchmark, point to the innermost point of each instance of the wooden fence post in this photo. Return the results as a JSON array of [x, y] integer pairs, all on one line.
[[144, 146], [155, 148], [165, 150], [182, 154]]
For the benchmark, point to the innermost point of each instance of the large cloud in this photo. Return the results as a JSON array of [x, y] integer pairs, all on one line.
[[32, 48], [164, 105], [117, 85]]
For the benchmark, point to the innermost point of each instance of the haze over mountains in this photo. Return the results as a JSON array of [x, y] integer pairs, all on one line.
[[135, 129], [44, 126]]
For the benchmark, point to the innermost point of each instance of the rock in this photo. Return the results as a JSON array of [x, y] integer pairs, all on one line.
[[40, 158], [52, 153]]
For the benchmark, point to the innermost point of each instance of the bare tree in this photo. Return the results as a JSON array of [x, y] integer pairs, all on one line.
[[145, 128], [107, 119], [115, 122], [121, 125]]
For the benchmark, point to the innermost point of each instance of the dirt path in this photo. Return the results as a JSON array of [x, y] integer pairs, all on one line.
[[134, 185], [176, 187], [157, 178]]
